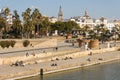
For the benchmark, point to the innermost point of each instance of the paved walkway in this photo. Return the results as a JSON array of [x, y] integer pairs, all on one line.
[[61, 47], [8, 71]]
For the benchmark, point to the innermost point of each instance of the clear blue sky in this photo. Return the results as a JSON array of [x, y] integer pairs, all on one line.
[[96, 8]]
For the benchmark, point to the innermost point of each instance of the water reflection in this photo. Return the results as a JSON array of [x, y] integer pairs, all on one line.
[[41, 77], [106, 71]]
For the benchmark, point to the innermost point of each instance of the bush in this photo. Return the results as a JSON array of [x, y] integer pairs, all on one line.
[[12, 43], [7, 44], [3, 44], [26, 43], [74, 36]]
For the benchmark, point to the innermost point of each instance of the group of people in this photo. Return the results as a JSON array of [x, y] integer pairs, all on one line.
[[54, 64], [18, 63], [27, 54], [67, 58]]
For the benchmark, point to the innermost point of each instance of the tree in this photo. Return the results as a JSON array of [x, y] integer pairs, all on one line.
[[46, 25], [86, 28], [28, 24], [16, 15], [65, 27], [70, 25], [7, 11], [102, 33], [36, 16], [16, 26], [2, 25], [58, 26], [27, 15]]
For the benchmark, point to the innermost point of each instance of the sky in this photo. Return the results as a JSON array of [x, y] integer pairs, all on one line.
[[70, 8]]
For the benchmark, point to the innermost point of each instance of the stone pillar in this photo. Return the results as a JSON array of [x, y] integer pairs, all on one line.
[[41, 71], [86, 46], [108, 45]]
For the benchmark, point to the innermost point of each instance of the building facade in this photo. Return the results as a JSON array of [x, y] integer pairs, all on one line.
[[84, 20], [52, 19], [8, 18]]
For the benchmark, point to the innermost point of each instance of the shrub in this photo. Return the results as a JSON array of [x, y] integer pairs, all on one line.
[[7, 44], [3, 44], [74, 36], [12, 43], [26, 43]]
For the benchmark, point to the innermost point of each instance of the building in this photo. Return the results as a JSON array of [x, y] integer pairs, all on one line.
[[60, 14], [100, 21], [84, 20], [8, 18], [52, 19]]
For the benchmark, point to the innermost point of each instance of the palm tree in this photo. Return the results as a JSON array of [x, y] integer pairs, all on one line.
[[17, 26], [46, 25], [27, 15], [2, 25], [36, 16], [16, 15], [85, 30], [102, 32], [6, 13], [28, 24]]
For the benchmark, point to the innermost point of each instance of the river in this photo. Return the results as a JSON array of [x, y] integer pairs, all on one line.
[[105, 71]]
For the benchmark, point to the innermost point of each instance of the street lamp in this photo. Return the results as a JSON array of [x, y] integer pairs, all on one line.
[[115, 37]]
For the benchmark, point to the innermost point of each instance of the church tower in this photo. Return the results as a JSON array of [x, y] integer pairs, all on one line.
[[86, 14], [60, 14]]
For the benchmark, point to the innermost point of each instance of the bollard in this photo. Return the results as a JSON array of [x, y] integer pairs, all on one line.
[[41, 71]]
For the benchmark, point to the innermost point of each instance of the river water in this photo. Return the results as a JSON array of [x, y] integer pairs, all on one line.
[[105, 71]]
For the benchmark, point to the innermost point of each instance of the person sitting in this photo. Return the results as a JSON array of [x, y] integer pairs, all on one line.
[[27, 54], [56, 48], [89, 59]]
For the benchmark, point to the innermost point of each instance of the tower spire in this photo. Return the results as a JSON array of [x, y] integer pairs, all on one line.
[[60, 14], [86, 14]]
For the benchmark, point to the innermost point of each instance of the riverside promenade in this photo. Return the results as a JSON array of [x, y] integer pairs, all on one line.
[[16, 72], [64, 61]]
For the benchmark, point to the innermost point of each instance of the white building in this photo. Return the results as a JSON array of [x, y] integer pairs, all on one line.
[[110, 26], [84, 20], [100, 21], [9, 19], [53, 19]]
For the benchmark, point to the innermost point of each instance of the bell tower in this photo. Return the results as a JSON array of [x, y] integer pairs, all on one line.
[[86, 14], [60, 14]]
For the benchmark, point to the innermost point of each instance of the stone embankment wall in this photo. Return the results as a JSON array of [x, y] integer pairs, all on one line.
[[48, 56], [36, 43]]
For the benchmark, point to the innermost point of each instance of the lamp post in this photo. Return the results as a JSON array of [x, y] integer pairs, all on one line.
[[115, 38], [114, 32], [22, 32]]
